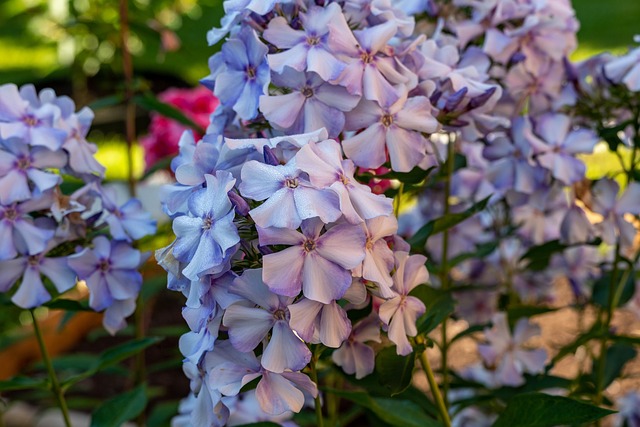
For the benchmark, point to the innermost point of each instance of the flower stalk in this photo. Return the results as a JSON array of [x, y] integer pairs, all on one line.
[[55, 384]]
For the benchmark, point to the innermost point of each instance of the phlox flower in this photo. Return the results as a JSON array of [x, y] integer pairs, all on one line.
[[260, 312], [326, 168], [402, 311], [240, 73], [506, 352], [31, 291], [206, 234], [317, 322], [557, 145], [110, 271], [540, 217], [318, 264], [35, 125], [629, 410], [378, 257], [373, 12], [128, 221], [613, 208], [368, 72], [354, 356], [308, 49], [21, 165], [396, 130], [289, 197], [245, 409], [229, 370], [625, 70], [19, 230], [311, 104]]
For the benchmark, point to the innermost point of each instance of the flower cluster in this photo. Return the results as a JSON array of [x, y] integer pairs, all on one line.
[[278, 240], [50, 233]]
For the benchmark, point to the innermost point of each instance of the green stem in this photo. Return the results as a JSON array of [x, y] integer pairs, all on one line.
[[318, 404], [444, 270], [608, 315], [55, 384], [442, 408]]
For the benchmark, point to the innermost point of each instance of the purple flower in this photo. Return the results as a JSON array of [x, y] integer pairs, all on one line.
[[81, 152], [129, 221], [613, 208], [368, 71], [241, 73], [316, 264], [402, 311], [312, 104], [559, 144], [261, 311], [326, 169], [21, 165], [354, 356], [36, 126], [205, 235], [31, 292], [110, 271], [378, 257], [18, 229], [290, 198], [625, 69], [507, 354], [307, 49], [317, 322], [396, 130]]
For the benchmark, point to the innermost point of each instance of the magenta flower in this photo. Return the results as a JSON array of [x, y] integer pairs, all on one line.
[[319, 265], [260, 312], [402, 311]]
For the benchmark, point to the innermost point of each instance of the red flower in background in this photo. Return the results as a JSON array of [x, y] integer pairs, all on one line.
[[164, 133]]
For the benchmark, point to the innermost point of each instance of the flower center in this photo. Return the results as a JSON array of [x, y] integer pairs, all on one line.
[[30, 121], [207, 223], [104, 265], [343, 179], [251, 72], [291, 182], [313, 40], [387, 120], [309, 245], [23, 163], [280, 314], [307, 92], [369, 244], [33, 260], [11, 214], [366, 57]]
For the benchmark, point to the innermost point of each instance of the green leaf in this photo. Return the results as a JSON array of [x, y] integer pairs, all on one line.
[[162, 413], [394, 371], [469, 331], [617, 356], [24, 383], [395, 412], [418, 240], [481, 251], [439, 304], [112, 356], [415, 176], [538, 257], [67, 305], [120, 409], [600, 293], [517, 312], [108, 101], [151, 103], [593, 333], [543, 410], [261, 424]]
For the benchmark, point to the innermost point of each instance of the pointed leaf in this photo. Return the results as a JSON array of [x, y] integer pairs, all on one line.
[[124, 407], [394, 371], [439, 304], [543, 410]]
